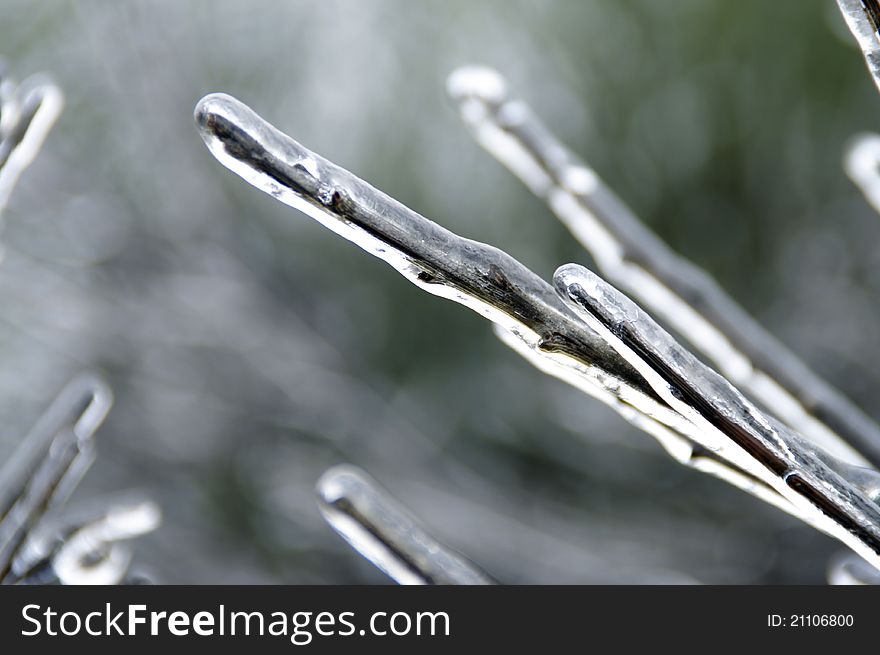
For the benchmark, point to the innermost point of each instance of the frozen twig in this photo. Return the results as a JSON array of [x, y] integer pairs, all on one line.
[[671, 288], [863, 19], [829, 496], [50, 462], [91, 550], [384, 532], [27, 113]]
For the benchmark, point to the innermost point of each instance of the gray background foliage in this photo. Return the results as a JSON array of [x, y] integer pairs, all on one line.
[[250, 349]]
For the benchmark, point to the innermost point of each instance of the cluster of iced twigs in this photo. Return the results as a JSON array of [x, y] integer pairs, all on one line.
[[37, 545], [38, 548], [674, 290], [583, 331]]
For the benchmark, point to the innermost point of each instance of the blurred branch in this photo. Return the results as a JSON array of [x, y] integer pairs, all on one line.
[[833, 496], [384, 532], [91, 550], [50, 462], [52, 459], [27, 113], [862, 165]]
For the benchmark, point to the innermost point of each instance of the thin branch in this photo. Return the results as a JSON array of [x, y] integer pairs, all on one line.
[[384, 532], [27, 113], [90, 550], [671, 288]]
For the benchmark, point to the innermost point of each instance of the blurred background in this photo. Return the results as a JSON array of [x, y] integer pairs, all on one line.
[[250, 349]]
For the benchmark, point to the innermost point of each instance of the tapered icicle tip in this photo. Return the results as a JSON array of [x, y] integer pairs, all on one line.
[[478, 82], [216, 112], [229, 127], [568, 275]]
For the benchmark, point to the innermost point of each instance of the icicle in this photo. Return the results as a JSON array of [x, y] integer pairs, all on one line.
[[384, 532], [671, 288]]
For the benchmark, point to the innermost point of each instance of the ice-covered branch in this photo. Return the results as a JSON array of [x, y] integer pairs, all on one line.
[[89, 550], [722, 434], [683, 296], [41, 475], [27, 113], [384, 532], [863, 19], [50, 462], [832, 497], [548, 333], [476, 275]]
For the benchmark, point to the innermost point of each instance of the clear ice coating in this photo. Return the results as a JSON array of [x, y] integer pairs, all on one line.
[[27, 113], [831, 495], [559, 336], [385, 533], [671, 288]]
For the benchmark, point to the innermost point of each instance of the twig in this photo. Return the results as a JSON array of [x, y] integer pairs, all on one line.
[[735, 429], [671, 288], [50, 462], [27, 113], [91, 551], [384, 532]]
